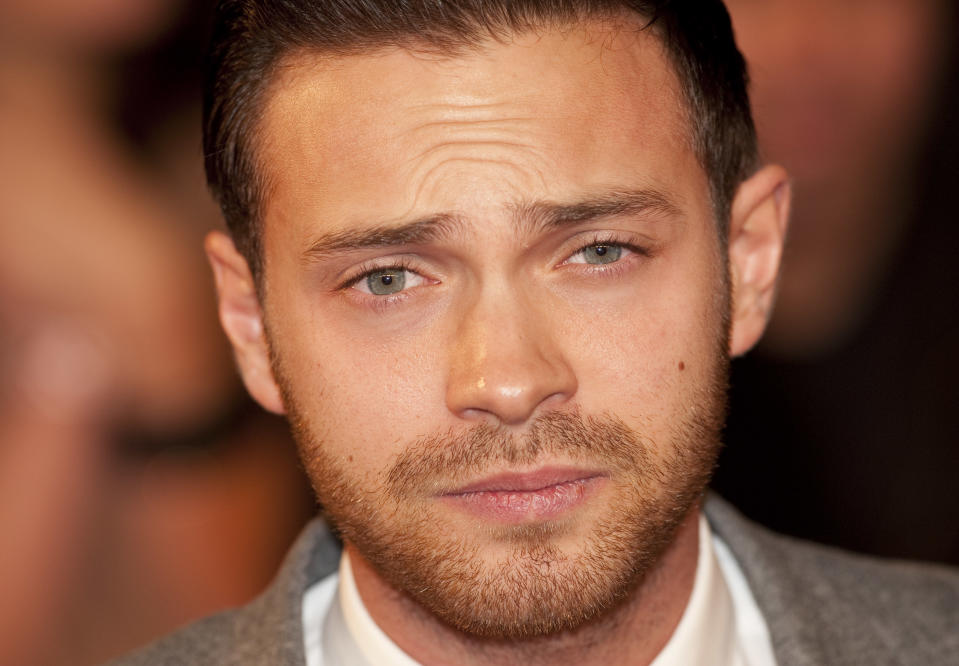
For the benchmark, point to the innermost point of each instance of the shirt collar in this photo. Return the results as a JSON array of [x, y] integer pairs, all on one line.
[[706, 633], [370, 641]]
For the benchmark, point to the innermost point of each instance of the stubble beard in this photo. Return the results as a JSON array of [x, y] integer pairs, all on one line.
[[534, 587]]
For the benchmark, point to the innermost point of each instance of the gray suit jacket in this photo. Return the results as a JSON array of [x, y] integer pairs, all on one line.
[[822, 606]]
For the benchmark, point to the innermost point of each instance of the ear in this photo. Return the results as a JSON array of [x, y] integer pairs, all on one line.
[[242, 319], [757, 230]]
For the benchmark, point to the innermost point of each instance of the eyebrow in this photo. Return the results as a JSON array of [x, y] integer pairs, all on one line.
[[418, 231], [540, 216], [531, 218]]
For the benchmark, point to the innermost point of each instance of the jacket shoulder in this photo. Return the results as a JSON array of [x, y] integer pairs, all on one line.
[[266, 631], [202, 642], [825, 605]]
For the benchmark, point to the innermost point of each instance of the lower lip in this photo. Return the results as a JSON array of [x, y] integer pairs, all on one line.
[[522, 506]]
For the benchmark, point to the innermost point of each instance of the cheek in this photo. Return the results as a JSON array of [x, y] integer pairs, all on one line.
[[363, 400], [649, 357], [647, 363]]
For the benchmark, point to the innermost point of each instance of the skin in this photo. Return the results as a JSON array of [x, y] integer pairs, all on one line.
[[502, 321]]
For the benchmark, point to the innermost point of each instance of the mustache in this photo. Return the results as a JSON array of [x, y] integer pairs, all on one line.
[[438, 460]]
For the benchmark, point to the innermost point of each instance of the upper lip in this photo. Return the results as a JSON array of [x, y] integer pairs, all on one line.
[[526, 481]]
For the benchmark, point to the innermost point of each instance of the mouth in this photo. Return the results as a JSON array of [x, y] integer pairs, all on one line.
[[522, 497]]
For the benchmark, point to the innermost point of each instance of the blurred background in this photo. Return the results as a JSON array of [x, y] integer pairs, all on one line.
[[140, 488], [843, 422]]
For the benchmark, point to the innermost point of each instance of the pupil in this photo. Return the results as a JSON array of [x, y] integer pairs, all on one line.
[[386, 279], [601, 250]]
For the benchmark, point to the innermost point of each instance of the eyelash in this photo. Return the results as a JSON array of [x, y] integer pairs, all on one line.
[[365, 270], [376, 303], [610, 240]]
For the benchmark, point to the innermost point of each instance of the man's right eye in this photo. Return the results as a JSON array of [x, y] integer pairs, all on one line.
[[598, 253], [387, 281]]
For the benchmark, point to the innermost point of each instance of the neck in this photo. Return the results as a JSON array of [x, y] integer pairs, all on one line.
[[633, 633]]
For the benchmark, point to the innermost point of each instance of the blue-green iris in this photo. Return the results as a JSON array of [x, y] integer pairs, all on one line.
[[386, 282], [602, 254]]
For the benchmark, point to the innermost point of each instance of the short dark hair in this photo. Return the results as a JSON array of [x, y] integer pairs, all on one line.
[[250, 37]]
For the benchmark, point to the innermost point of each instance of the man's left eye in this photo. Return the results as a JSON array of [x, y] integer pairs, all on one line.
[[598, 253]]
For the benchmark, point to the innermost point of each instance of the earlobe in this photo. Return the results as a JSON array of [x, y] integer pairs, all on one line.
[[242, 319], [757, 230]]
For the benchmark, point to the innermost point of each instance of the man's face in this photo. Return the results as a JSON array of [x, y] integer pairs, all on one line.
[[496, 301]]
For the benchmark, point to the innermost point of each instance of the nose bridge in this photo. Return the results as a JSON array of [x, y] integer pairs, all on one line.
[[506, 362]]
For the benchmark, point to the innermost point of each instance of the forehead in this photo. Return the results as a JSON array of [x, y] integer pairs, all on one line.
[[552, 114]]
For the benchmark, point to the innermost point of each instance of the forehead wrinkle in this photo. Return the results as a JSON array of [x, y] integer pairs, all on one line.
[[490, 145], [466, 136], [427, 173], [501, 123]]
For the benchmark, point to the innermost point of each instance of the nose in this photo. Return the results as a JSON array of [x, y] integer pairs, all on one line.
[[506, 363]]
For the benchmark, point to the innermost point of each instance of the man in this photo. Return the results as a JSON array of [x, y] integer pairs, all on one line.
[[491, 259]]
